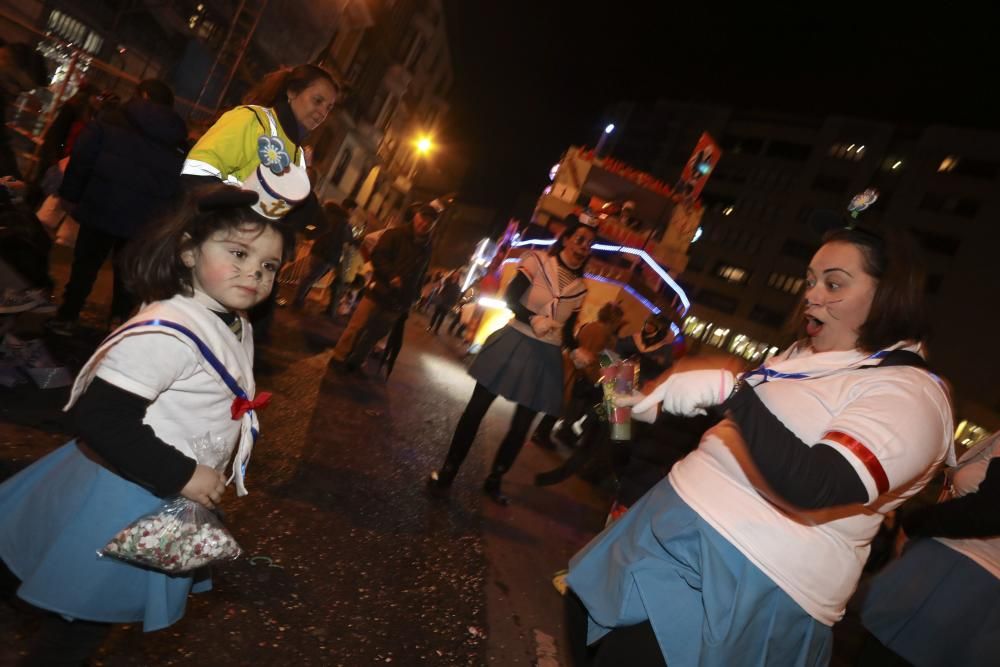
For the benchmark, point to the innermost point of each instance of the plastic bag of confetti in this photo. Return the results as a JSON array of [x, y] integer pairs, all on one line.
[[179, 537]]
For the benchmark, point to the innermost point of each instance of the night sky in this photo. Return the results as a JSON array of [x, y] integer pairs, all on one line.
[[534, 77]]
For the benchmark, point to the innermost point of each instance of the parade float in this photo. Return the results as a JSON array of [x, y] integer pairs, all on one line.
[[644, 228]]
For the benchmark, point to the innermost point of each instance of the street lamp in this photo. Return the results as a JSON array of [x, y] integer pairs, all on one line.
[[608, 129], [424, 145]]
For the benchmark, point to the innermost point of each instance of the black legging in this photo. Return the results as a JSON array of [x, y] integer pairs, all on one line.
[[438, 317], [468, 425], [633, 645]]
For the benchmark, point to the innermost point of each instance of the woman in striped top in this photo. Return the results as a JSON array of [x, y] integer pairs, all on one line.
[[523, 361]]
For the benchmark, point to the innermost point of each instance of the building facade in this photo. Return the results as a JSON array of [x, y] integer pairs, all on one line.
[[397, 65], [746, 272], [392, 55]]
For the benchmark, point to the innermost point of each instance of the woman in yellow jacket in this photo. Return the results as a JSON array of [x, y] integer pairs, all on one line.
[[285, 106], [267, 133]]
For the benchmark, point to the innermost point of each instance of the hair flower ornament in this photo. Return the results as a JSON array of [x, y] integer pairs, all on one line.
[[272, 154]]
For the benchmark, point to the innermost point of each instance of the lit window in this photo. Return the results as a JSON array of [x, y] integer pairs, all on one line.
[[948, 164], [733, 274]]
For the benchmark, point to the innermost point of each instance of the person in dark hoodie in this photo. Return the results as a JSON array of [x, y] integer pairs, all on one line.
[[123, 172]]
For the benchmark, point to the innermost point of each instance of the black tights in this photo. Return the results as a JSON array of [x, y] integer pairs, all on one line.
[[468, 425], [633, 645], [56, 641]]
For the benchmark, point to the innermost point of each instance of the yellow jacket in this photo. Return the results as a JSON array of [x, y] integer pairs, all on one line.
[[228, 151]]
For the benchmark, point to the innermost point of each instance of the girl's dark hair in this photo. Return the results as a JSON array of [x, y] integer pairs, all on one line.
[[152, 263], [335, 212], [899, 310], [273, 87]]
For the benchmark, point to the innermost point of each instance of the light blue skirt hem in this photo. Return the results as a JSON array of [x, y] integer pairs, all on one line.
[[708, 605], [54, 517]]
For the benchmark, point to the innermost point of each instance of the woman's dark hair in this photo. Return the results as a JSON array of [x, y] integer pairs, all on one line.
[[899, 310], [152, 263], [273, 87]]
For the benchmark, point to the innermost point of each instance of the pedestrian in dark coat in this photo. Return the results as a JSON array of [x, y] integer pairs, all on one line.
[[399, 261], [446, 300], [124, 171], [324, 256]]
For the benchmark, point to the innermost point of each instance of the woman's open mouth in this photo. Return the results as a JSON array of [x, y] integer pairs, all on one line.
[[813, 326]]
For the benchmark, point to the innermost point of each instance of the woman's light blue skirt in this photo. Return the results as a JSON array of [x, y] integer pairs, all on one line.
[[935, 606], [708, 605]]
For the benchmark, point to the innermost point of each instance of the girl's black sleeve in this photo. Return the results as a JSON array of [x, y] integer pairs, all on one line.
[[569, 327], [109, 420]]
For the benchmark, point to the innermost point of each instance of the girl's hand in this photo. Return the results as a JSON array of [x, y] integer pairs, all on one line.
[[206, 486], [627, 400], [645, 414]]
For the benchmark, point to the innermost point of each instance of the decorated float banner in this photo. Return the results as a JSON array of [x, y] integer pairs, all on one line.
[[684, 222], [698, 168]]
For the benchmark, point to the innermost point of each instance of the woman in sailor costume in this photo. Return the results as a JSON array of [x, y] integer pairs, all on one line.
[[939, 604], [747, 553], [523, 361]]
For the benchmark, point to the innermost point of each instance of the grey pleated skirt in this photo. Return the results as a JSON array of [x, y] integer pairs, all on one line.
[[522, 369]]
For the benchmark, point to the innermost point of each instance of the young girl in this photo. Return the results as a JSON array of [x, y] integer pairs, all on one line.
[[160, 408]]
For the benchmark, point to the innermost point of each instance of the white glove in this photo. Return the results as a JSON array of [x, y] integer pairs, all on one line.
[[542, 325], [688, 394], [627, 400], [647, 415]]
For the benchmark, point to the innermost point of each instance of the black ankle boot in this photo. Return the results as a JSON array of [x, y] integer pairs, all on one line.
[[491, 487], [439, 481], [543, 440]]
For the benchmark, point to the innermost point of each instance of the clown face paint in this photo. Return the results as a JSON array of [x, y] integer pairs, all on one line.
[[838, 297], [236, 267]]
